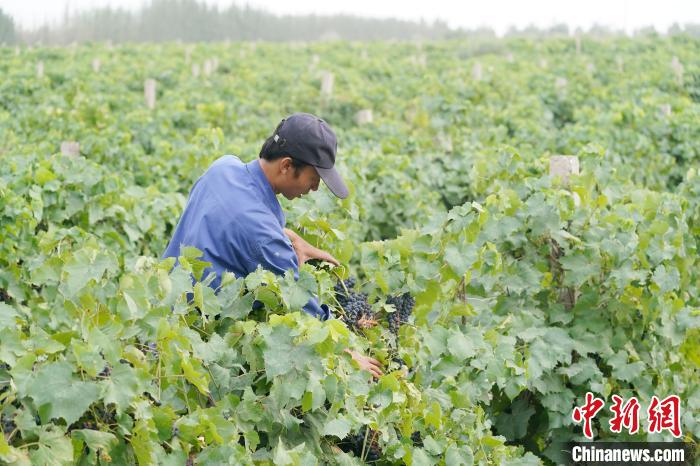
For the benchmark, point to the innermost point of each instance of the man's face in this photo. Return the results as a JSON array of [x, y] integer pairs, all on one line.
[[299, 182]]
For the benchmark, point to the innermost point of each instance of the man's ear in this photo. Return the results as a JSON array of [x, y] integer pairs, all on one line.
[[285, 165]]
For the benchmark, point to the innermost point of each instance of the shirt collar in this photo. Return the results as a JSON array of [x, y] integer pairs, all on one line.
[[261, 182]]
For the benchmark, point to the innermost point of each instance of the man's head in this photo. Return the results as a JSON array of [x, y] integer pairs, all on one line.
[[300, 152], [289, 176]]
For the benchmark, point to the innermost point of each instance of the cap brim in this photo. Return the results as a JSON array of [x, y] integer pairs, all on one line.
[[334, 181]]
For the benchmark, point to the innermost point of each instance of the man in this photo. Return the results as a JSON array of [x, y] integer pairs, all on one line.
[[233, 215]]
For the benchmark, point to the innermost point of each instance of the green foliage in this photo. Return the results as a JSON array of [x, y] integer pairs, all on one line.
[[7, 29], [528, 293]]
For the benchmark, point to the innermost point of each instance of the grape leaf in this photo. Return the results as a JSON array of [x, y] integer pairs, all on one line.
[[57, 393], [282, 355], [339, 427], [53, 448]]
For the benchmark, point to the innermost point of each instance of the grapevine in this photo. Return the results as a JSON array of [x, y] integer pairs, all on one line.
[[494, 293], [363, 444], [404, 307], [357, 311]]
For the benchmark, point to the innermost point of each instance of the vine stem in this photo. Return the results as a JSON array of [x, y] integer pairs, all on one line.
[[184, 390], [158, 375], [364, 445], [218, 389]]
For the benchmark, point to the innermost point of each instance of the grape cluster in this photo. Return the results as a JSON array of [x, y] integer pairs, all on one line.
[[340, 290], [353, 443], [400, 363], [354, 304], [95, 418], [8, 424], [404, 307], [152, 348], [417, 439], [4, 385], [105, 414], [357, 309], [106, 371]]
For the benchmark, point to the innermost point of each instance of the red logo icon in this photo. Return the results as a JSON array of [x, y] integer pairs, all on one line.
[[662, 415], [665, 415], [587, 412], [626, 416]]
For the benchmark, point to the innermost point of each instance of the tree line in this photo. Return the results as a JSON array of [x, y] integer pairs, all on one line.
[[191, 21]]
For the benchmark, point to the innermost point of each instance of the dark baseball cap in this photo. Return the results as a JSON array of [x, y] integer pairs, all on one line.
[[307, 138]]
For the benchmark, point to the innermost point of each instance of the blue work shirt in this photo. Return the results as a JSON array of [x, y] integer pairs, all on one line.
[[234, 218]]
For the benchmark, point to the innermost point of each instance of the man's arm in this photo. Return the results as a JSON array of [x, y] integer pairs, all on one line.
[[305, 251], [274, 252]]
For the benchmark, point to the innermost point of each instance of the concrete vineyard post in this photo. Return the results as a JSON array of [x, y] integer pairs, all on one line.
[[364, 116], [96, 65], [315, 60], [562, 166], [327, 84], [149, 93], [677, 67], [208, 68], [477, 72], [620, 64], [40, 69], [419, 60], [71, 148], [195, 70], [444, 141]]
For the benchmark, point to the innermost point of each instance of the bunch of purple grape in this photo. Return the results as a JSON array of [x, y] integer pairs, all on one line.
[[404, 307], [357, 310], [343, 290], [356, 444], [8, 424]]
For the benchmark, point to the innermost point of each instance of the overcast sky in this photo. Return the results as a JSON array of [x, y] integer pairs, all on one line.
[[497, 14]]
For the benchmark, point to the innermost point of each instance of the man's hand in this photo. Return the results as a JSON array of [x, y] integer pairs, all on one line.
[[366, 363], [306, 252], [364, 322]]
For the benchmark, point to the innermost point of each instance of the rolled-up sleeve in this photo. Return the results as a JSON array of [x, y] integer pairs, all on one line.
[[275, 253]]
